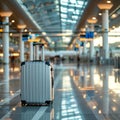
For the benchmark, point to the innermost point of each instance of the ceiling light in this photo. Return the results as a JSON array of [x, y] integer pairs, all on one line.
[[5, 13], [25, 30], [113, 27], [99, 111], [92, 20], [53, 43], [22, 26], [114, 16], [83, 29], [11, 34], [108, 1], [119, 46], [13, 109], [44, 33], [30, 33], [13, 21], [100, 14], [103, 5]]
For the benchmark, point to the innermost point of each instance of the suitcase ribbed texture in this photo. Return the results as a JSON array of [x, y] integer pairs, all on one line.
[[36, 82]]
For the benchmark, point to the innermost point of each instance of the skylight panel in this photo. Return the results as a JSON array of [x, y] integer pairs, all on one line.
[[80, 2], [63, 9], [86, 3], [56, 2], [73, 1], [71, 10], [75, 17], [64, 1], [64, 12], [66, 4], [63, 20], [63, 15], [75, 5], [77, 12], [82, 11], [57, 7], [71, 21]]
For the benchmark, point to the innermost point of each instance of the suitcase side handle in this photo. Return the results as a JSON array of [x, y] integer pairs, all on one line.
[[23, 63]]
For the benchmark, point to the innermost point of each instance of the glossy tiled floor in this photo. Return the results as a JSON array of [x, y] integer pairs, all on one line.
[[84, 93]]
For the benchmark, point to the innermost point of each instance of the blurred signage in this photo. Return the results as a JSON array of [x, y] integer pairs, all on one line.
[[1, 23], [81, 44], [30, 38], [25, 37], [76, 49], [89, 35], [34, 40], [83, 37]]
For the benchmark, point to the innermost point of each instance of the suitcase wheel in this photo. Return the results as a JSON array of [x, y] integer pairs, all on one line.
[[48, 102], [23, 103]]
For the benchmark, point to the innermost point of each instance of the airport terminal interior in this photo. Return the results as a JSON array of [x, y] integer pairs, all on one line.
[[80, 42]]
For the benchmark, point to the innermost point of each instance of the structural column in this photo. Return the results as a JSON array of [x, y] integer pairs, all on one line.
[[105, 27], [21, 27], [42, 53], [91, 43], [85, 75], [82, 39], [31, 47], [92, 76], [106, 92], [84, 49], [91, 22], [80, 51], [31, 50], [37, 52], [105, 6], [6, 16], [21, 48], [6, 40], [91, 49]]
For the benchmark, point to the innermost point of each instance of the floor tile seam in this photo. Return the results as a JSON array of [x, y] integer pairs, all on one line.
[[6, 100], [57, 79], [8, 113], [39, 113], [6, 81]]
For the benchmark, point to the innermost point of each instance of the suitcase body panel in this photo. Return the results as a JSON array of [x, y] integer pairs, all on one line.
[[36, 82]]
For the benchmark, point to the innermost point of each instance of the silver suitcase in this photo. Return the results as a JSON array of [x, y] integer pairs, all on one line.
[[36, 83]]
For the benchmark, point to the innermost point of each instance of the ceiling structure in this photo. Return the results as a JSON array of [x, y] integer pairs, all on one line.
[[56, 17], [58, 21]]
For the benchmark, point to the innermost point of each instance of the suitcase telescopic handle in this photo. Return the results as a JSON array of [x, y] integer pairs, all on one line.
[[40, 44], [42, 52]]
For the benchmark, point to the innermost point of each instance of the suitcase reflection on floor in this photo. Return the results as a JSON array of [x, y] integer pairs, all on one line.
[[43, 113], [33, 113]]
